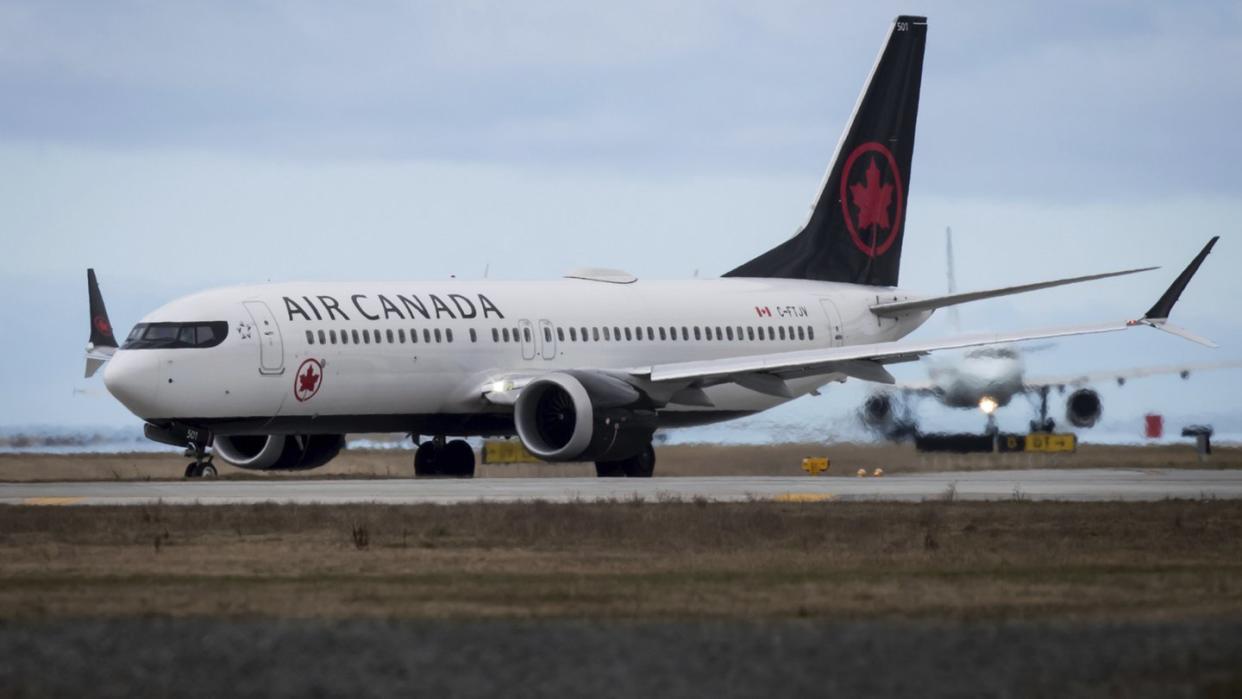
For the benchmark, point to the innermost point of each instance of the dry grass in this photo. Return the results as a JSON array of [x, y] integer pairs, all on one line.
[[954, 560], [676, 460]]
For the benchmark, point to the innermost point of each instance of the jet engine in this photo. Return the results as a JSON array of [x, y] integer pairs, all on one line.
[[877, 411], [880, 414], [582, 416], [278, 452], [1083, 408]]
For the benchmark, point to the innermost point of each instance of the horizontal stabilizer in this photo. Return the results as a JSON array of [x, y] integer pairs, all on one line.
[[898, 308]]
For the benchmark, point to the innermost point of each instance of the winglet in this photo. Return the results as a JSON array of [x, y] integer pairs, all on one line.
[[1158, 315], [1164, 306], [102, 343], [101, 327]]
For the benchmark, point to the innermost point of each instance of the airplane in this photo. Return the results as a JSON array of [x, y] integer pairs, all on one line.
[[989, 378], [583, 368]]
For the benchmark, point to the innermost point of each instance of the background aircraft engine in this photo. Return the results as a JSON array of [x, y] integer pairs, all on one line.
[[582, 416], [1083, 408], [279, 452], [877, 411]]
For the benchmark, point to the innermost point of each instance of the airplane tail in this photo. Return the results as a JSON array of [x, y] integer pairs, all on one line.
[[855, 229]]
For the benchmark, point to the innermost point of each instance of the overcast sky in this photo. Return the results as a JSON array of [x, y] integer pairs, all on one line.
[[176, 146]]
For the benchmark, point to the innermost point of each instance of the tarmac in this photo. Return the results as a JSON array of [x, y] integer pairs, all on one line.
[[1041, 484]]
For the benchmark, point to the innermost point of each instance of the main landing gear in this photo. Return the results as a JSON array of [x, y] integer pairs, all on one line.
[[437, 458], [201, 466], [641, 465]]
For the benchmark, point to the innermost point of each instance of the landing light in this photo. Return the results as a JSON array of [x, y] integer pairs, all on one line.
[[987, 405], [500, 386]]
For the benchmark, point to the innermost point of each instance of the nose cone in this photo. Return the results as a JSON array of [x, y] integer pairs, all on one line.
[[132, 380]]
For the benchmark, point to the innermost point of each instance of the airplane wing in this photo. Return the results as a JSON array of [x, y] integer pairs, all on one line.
[[1123, 375], [766, 372], [899, 308]]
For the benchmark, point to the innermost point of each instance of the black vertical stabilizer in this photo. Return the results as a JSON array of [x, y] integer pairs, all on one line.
[[101, 327], [855, 230]]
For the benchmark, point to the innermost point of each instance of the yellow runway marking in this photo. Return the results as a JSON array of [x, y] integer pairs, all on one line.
[[51, 501], [803, 497]]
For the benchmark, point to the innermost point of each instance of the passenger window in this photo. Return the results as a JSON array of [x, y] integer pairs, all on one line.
[[810, 332], [584, 335], [495, 335], [474, 337], [355, 335], [663, 336], [506, 334], [526, 334], [310, 337], [401, 335], [801, 333], [628, 336], [448, 334], [438, 337], [388, 334], [697, 334], [781, 332], [729, 332], [750, 333], [560, 334], [547, 334], [426, 336], [323, 338], [413, 336], [573, 334], [607, 334], [332, 336], [366, 336], [595, 334]]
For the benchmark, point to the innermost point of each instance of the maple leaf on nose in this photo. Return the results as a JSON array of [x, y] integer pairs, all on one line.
[[872, 199]]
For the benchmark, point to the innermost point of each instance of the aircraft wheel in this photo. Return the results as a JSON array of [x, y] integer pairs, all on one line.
[[191, 470], [458, 459], [427, 460], [609, 469], [642, 464]]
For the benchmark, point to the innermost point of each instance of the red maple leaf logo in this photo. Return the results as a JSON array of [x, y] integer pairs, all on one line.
[[308, 382], [872, 199], [101, 324]]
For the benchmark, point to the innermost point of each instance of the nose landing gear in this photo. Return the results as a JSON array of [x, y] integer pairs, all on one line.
[[201, 466]]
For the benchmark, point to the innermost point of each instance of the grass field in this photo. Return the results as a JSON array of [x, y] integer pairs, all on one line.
[[674, 460], [943, 560]]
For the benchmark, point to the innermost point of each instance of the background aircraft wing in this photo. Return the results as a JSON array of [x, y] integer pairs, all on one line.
[[1123, 375]]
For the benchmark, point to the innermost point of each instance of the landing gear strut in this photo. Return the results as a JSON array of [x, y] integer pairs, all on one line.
[[437, 458], [201, 466], [1044, 423], [641, 465]]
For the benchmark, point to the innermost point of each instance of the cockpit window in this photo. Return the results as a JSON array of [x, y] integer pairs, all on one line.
[[176, 335]]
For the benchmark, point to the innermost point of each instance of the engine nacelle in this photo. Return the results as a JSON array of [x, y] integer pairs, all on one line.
[[1083, 409], [279, 452], [877, 411], [582, 416]]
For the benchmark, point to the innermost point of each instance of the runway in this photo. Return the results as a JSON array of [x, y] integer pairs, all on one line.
[[1045, 484]]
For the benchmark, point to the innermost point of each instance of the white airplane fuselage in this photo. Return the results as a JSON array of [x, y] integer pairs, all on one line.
[[965, 380], [310, 357]]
